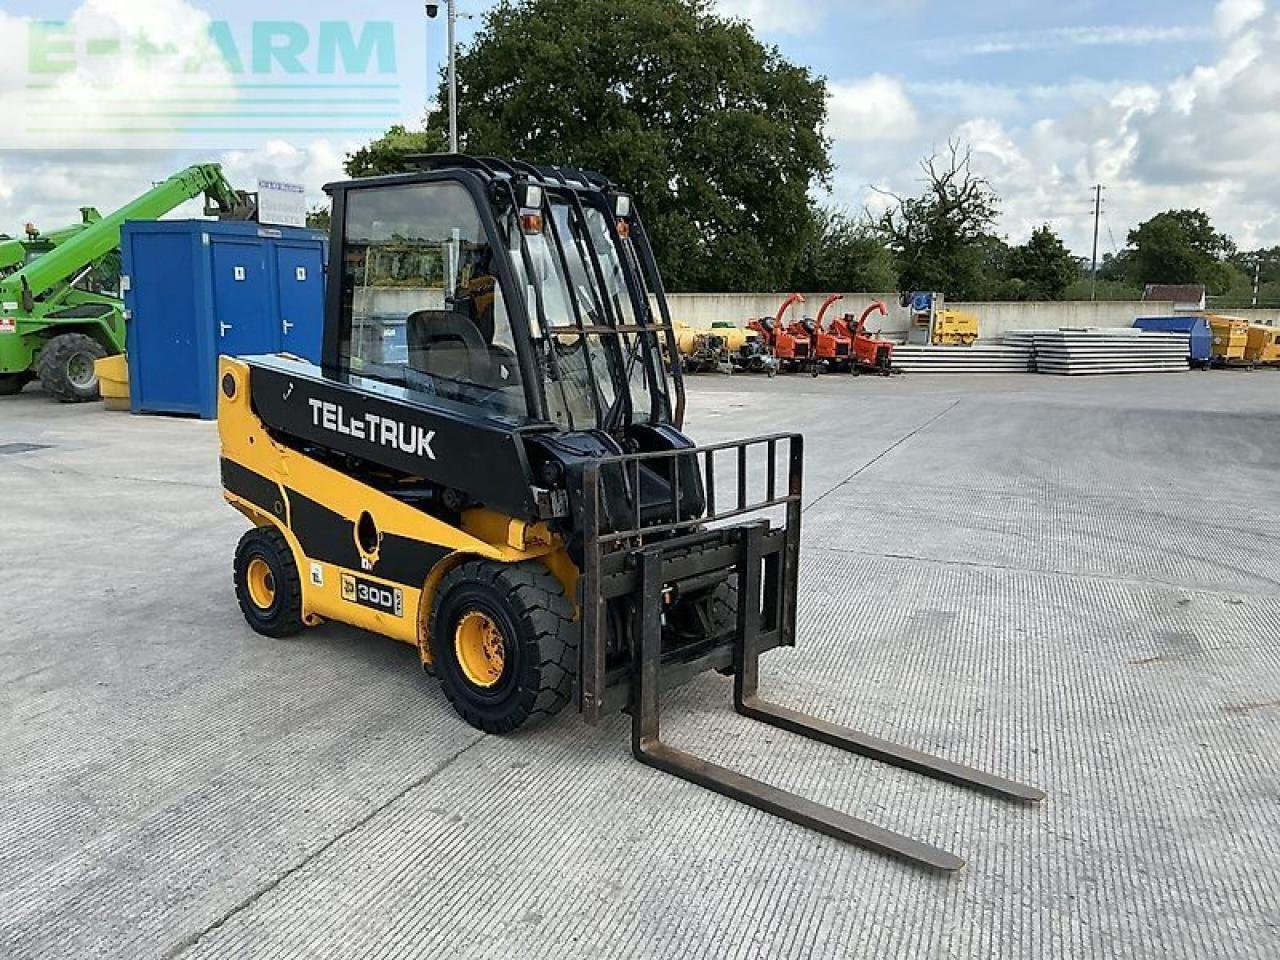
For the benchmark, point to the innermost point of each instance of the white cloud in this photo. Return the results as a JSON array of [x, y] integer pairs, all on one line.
[[63, 88], [808, 17], [1232, 16], [1062, 38], [769, 16], [45, 174], [968, 98], [47, 187], [314, 165], [1206, 139], [876, 107]]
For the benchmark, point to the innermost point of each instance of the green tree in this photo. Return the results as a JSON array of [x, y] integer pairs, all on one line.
[[839, 253], [1181, 246], [388, 153], [719, 138], [1266, 262], [1043, 268], [943, 239], [318, 218]]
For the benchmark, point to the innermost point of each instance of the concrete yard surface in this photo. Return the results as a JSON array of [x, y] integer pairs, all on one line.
[[1075, 583]]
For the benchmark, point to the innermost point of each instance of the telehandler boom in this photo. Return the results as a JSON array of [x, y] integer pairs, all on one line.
[[53, 328]]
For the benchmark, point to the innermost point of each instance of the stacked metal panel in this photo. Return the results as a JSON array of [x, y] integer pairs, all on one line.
[[1110, 350], [979, 358], [1023, 338]]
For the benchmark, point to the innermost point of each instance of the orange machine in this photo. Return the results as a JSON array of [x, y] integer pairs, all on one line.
[[833, 348], [790, 343], [866, 352]]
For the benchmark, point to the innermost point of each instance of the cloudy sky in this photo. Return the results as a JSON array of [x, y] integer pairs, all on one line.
[[1166, 102]]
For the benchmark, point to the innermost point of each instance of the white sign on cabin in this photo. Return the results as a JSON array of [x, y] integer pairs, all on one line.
[[282, 204]]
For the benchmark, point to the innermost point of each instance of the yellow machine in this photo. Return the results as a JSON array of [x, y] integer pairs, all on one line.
[[724, 342], [933, 323], [702, 350], [1263, 346], [735, 337], [955, 328], [1230, 338], [511, 492]]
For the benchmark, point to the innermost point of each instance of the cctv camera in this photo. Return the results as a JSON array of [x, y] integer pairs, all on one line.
[[432, 10]]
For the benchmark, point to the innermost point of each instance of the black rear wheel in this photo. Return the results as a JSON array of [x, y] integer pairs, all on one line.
[[267, 584], [504, 643]]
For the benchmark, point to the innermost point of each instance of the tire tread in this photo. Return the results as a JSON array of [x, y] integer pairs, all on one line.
[[542, 613]]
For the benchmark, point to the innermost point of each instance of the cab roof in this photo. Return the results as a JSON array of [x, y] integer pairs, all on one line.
[[490, 169]]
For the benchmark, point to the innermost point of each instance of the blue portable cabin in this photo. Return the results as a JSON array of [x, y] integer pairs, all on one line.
[[1193, 324], [194, 289]]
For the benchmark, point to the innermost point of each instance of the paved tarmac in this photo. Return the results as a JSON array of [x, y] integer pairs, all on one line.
[[1074, 583]]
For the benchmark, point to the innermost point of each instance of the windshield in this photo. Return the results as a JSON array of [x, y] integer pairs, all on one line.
[[421, 305], [580, 309]]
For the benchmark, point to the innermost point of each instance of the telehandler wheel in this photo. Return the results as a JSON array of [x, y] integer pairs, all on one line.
[[267, 583], [66, 367], [504, 643], [12, 383]]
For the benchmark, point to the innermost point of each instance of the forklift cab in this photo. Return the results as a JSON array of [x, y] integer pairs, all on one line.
[[526, 294], [523, 291]]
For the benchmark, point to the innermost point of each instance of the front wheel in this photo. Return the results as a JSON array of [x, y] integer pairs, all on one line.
[[67, 370], [504, 643]]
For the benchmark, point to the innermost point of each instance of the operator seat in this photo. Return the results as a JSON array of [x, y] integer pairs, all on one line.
[[446, 344]]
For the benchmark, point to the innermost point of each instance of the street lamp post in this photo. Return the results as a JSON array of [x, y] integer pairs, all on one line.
[[451, 18]]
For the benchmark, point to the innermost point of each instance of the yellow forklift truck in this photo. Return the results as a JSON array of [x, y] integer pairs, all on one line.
[[488, 465]]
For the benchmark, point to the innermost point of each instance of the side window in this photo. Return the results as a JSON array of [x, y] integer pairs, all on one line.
[[422, 304]]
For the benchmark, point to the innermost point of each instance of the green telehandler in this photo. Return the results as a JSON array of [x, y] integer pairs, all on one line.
[[52, 325], [15, 252]]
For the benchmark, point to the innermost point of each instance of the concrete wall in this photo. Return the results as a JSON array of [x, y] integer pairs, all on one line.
[[703, 309], [397, 301]]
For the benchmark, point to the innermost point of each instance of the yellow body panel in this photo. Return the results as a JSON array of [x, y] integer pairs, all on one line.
[[1263, 344], [1230, 336], [953, 328], [328, 589], [735, 337]]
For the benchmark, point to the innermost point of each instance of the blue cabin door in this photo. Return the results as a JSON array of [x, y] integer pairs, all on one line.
[[300, 288], [241, 306]]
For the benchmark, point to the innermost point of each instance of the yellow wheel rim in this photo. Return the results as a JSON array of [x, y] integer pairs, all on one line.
[[477, 641], [261, 583]]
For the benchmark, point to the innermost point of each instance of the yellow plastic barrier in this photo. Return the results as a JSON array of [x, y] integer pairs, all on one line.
[[113, 381]]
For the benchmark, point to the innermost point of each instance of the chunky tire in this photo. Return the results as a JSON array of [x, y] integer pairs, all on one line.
[[527, 607], [705, 615], [280, 613], [12, 383], [62, 367]]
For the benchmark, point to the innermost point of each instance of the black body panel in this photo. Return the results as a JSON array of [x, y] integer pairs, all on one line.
[[331, 538], [253, 487], [639, 492], [444, 444]]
